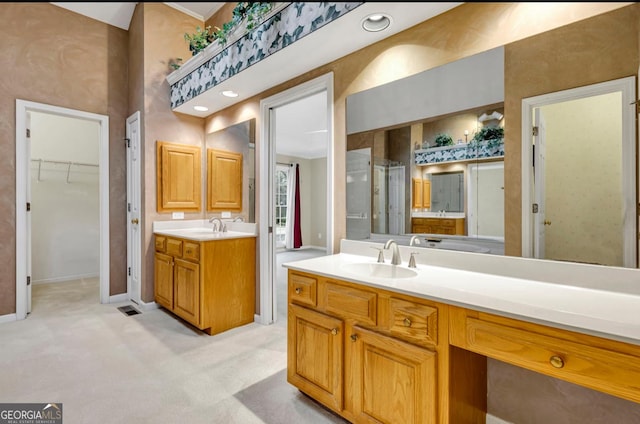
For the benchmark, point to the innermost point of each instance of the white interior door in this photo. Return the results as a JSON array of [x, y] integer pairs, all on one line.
[[134, 252], [28, 215], [539, 221]]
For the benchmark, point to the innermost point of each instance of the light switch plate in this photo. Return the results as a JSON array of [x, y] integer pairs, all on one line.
[[226, 214], [177, 215]]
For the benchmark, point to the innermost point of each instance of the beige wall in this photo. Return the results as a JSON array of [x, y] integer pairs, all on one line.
[[53, 56], [163, 31]]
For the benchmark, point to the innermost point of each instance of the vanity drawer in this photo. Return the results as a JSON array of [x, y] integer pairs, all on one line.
[[174, 247], [302, 289], [350, 302], [191, 251], [161, 244], [413, 321], [578, 359]]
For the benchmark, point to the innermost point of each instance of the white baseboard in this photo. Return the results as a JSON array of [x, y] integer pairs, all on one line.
[[8, 318], [65, 278], [117, 298], [495, 420], [150, 306]]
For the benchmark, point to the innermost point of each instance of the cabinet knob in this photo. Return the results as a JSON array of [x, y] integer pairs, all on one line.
[[334, 331], [556, 361], [188, 251], [354, 337], [407, 322], [298, 290]]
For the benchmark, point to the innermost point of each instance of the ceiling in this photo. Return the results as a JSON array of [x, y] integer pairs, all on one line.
[[301, 127]]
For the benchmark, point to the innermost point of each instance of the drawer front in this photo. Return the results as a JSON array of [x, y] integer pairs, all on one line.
[[302, 289], [598, 368], [174, 247], [161, 244], [349, 302], [191, 251], [448, 223], [413, 321]]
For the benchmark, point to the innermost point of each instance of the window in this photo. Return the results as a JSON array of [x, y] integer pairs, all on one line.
[[281, 203]]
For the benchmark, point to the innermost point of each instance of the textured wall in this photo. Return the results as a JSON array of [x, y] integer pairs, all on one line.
[[163, 29], [53, 56]]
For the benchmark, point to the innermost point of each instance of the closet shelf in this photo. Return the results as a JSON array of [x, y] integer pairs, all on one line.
[[58, 162]]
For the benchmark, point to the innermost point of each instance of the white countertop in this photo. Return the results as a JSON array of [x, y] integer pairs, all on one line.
[[610, 313], [201, 230], [445, 215]]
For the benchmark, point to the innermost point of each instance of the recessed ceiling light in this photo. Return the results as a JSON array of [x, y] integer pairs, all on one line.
[[376, 22], [229, 93], [201, 108]]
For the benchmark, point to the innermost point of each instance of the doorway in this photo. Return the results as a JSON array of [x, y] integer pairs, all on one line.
[[75, 171], [579, 175], [279, 114]]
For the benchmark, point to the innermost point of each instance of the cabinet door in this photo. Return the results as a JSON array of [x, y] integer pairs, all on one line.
[[314, 355], [394, 382], [186, 291], [417, 193], [163, 283], [224, 180], [178, 177], [426, 193]]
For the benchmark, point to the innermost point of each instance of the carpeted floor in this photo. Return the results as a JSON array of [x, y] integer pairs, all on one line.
[[106, 366]]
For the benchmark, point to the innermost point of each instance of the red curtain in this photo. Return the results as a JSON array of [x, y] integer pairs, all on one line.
[[297, 231]]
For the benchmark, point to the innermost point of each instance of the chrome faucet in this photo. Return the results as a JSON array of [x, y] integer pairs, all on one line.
[[217, 224], [238, 218], [395, 257], [414, 239]]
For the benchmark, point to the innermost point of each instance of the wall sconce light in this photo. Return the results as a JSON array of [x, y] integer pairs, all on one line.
[[494, 115]]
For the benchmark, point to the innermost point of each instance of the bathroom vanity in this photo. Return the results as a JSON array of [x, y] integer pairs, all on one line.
[[206, 278], [383, 343]]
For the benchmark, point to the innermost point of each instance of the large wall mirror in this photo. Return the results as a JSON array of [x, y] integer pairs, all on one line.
[[231, 170], [411, 158]]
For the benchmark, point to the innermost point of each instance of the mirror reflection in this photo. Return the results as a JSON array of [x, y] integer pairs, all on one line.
[[441, 177], [231, 170]]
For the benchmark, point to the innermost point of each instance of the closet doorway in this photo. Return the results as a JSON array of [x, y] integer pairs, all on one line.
[[61, 199]]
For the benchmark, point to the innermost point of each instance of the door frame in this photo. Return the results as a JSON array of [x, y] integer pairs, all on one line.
[[627, 87], [23, 230], [134, 173], [266, 151]]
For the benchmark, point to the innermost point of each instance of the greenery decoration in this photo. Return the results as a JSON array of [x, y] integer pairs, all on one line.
[[443, 140], [246, 11], [488, 133]]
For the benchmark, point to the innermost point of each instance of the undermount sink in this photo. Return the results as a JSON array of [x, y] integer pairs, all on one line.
[[378, 270]]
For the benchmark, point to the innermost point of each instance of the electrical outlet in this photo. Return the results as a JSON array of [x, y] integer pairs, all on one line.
[[226, 214], [319, 235], [177, 215]]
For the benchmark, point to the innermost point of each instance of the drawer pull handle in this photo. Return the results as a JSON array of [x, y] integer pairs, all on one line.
[[556, 361], [334, 331], [354, 337], [188, 251], [298, 290], [407, 322]]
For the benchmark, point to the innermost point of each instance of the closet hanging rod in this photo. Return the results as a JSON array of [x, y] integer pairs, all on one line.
[[64, 162]]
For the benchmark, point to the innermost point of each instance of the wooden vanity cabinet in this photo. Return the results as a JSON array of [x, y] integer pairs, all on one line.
[[224, 180], [210, 284], [370, 355], [421, 194], [449, 226], [600, 364]]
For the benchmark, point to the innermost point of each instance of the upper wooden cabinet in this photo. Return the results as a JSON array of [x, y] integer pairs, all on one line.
[[179, 175], [421, 193], [224, 180]]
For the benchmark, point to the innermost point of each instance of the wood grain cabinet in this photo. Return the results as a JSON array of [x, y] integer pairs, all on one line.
[[421, 193], [450, 226], [224, 180], [346, 350], [178, 177], [210, 284]]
